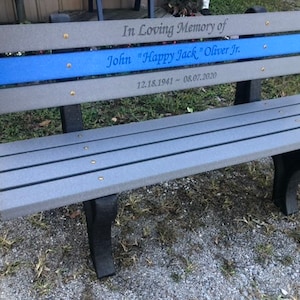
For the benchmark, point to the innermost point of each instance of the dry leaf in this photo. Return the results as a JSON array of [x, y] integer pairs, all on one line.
[[45, 123], [75, 214]]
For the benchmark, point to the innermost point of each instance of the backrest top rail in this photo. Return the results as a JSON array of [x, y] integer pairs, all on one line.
[[33, 37]]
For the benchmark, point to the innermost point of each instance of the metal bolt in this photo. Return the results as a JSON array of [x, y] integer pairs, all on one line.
[[86, 148], [66, 36], [100, 178], [262, 69], [267, 23], [93, 162], [69, 65], [72, 93]]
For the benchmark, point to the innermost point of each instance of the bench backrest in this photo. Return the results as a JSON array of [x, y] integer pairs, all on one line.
[[50, 65]]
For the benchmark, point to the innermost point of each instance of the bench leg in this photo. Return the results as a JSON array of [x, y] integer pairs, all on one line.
[[100, 213], [286, 180], [248, 91]]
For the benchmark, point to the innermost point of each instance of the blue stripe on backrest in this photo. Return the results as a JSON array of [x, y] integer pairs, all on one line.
[[89, 63]]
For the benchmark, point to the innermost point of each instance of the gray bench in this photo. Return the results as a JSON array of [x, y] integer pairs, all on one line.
[[94, 165]]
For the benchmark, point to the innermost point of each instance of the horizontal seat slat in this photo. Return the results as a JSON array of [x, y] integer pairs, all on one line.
[[43, 196], [62, 140], [31, 37], [126, 151], [75, 92], [127, 156], [150, 132]]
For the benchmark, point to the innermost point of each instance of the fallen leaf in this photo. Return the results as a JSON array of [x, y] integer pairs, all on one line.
[[45, 123], [75, 214]]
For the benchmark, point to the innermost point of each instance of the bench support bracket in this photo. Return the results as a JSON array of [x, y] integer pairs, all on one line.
[[286, 180], [100, 213], [71, 118]]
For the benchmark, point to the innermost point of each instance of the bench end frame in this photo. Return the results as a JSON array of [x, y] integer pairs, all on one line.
[[286, 181]]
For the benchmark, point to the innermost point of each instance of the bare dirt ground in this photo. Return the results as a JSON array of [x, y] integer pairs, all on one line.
[[213, 236]]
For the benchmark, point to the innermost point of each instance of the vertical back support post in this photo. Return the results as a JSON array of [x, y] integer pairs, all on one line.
[[137, 5], [100, 10], [151, 10], [151, 13], [71, 116], [91, 5], [20, 11], [249, 91]]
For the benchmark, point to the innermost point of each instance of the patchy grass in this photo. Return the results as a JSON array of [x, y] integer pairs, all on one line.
[[265, 253], [10, 268], [228, 268], [237, 6], [5, 242]]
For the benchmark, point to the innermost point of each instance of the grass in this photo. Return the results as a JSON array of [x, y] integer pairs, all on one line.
[[228, 268], [5, 242], [264, 253], [236, 6]]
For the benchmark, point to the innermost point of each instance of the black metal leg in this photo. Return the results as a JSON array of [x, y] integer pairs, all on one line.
[[286, 180], [71, 118], [151, 10], [137, 5], [91, 5], [20, 7], [100, 214], [248, 91]]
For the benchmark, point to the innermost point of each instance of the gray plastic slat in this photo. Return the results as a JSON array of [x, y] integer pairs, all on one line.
[[57, 94], [132, 128], [149, 151], [199, 123], [45, 196], [31, 37]]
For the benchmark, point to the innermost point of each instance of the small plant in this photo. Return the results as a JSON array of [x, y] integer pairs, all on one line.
[[10, 269], [228, 268], [41, 265], [183, 8], [176, 277], [265, 252], [5, 242], [37, 221], [167, 235], [287, 260], [295, 234]]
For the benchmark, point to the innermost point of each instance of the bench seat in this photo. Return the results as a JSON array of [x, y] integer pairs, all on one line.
[[48, 172]]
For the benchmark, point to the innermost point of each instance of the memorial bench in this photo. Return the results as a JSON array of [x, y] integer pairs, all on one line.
[[139, 57]]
